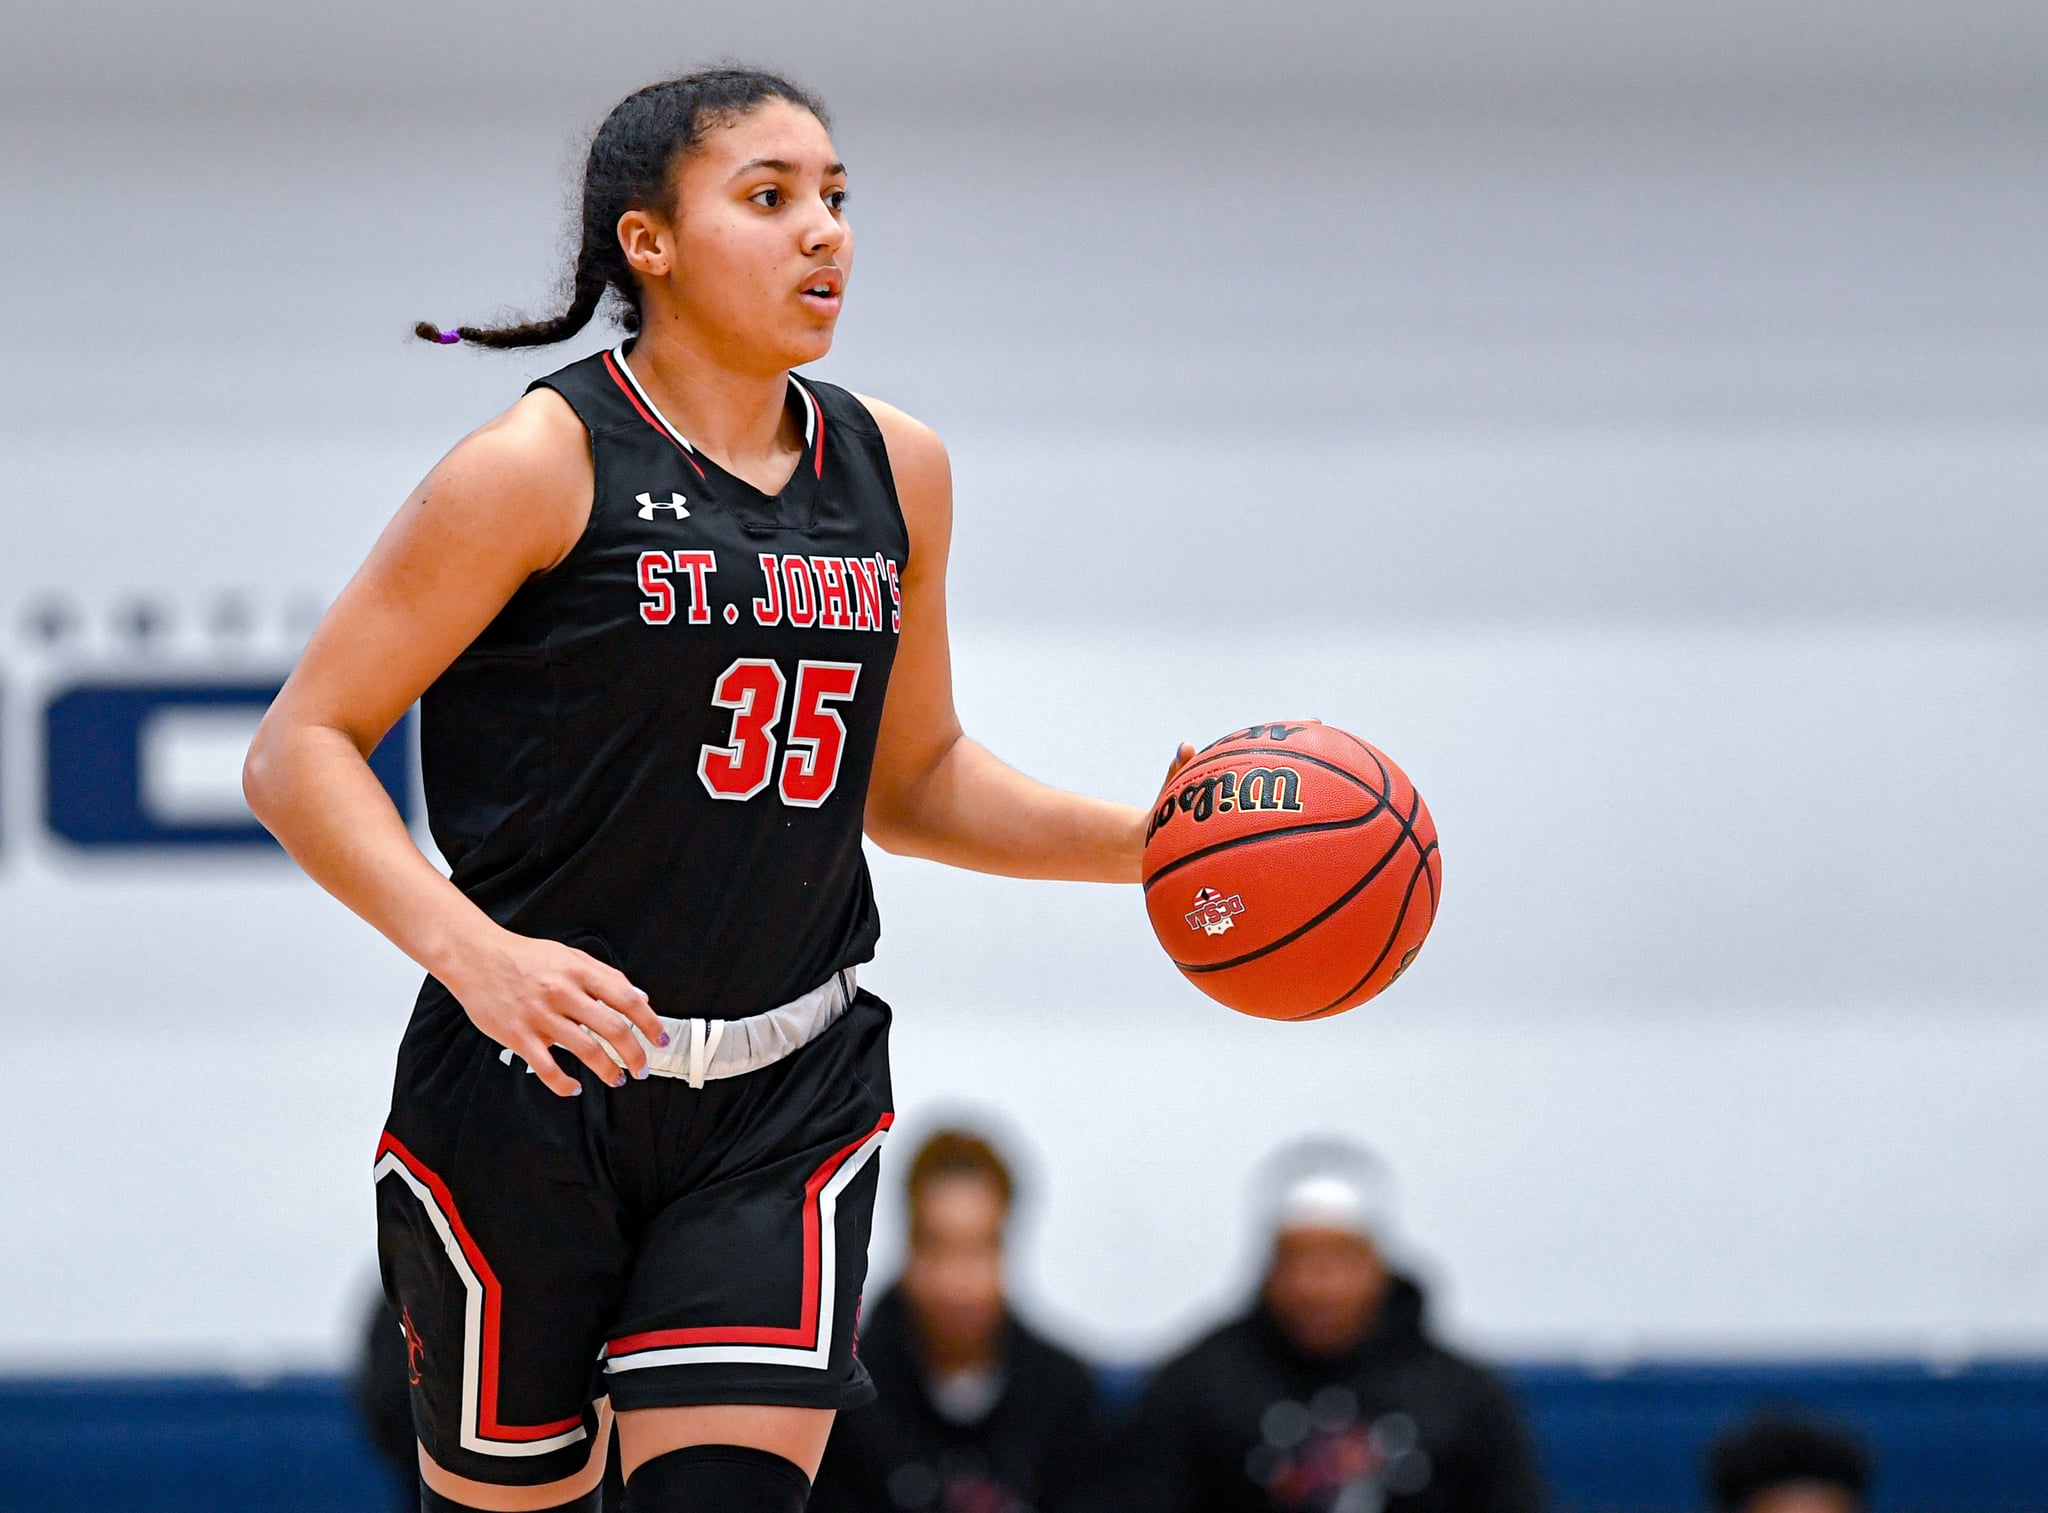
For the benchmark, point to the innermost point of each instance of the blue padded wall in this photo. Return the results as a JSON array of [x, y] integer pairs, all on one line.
[[1968, 1441]]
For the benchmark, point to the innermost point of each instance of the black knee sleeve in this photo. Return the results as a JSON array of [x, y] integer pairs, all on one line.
[[433, 1502], [718, 1479]]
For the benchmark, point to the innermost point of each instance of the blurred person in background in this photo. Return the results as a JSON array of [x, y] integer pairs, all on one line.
[[977, 1413], [382, 1391], [1778, 1464], [1328, 1395]]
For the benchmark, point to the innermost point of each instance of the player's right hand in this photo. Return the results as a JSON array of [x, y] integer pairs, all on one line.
[[529, 995]]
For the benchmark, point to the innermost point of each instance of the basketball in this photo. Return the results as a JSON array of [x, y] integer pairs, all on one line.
[[1291, 870]]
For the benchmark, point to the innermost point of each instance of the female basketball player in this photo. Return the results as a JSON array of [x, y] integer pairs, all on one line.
[[676, 621]]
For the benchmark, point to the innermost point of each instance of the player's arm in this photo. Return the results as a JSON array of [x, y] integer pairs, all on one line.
[[508, 502], [935, 793]]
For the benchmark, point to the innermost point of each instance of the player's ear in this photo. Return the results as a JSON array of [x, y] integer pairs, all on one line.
[[647, 243]]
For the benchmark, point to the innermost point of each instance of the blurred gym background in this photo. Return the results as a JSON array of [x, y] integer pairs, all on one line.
[[1634, 418]]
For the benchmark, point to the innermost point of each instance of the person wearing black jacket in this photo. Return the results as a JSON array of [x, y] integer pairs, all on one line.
[[1328, 1396], [383, 1403], [975, 1413]]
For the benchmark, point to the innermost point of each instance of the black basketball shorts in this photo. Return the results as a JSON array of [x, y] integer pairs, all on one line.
[[663, 1245]]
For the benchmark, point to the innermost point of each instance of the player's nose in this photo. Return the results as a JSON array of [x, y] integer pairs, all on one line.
[[822, 231]]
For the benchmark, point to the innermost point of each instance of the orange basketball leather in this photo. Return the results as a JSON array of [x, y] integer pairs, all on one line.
[[1291, 870]]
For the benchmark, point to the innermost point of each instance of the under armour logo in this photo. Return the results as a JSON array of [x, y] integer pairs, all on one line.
[[675, 502]]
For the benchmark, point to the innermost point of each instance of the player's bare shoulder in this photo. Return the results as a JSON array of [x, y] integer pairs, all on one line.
[[521, 483], [923, 471]]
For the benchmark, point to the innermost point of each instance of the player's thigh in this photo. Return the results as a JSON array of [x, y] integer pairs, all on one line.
[[746, 1284], [504, 1255], [495, 1498], [795, 1434]]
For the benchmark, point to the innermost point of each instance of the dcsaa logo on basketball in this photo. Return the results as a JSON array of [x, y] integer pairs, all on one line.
[[1213, 912]]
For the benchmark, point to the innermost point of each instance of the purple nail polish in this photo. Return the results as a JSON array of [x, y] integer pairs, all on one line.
[[664, 1039]]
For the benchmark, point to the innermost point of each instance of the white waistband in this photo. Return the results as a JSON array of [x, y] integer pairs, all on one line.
[[704, 1050]]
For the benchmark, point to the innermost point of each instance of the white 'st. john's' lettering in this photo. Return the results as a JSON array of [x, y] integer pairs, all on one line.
[[804, 591], [658, 607]]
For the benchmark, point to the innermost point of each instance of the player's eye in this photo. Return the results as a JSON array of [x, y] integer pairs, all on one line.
[[836, 199], [767, 198]]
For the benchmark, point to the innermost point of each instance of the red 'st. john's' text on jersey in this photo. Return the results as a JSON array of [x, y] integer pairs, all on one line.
[[659, 750]]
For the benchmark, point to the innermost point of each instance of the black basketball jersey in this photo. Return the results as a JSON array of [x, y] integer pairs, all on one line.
[[659, 750]]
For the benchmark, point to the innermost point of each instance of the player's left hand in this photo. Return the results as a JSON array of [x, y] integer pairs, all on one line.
[[1141, 819], [1181, 758]]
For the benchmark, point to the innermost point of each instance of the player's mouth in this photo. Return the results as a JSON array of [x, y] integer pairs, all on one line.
[[822, 290]]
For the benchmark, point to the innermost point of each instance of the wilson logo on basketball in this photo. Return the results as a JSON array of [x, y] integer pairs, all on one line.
[[1254, 788], [1213, 912]]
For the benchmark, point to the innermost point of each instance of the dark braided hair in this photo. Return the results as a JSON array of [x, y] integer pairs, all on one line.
[[630, 166]]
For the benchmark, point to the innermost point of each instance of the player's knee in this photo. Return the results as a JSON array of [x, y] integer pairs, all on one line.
[[433, 1502], [718, 1479]]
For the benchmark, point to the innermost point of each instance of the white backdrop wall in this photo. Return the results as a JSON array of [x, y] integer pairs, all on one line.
[[1678, 1070], [1661, 485], [479, 53]]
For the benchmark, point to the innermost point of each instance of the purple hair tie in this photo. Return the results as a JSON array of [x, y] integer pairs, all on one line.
[[448, 338]]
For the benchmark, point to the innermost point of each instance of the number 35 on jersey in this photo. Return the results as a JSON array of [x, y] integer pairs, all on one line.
[[754, 688], [785, 727]]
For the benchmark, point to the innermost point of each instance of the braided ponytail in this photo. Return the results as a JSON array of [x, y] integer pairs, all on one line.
[[588, 293], [630, 166]]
